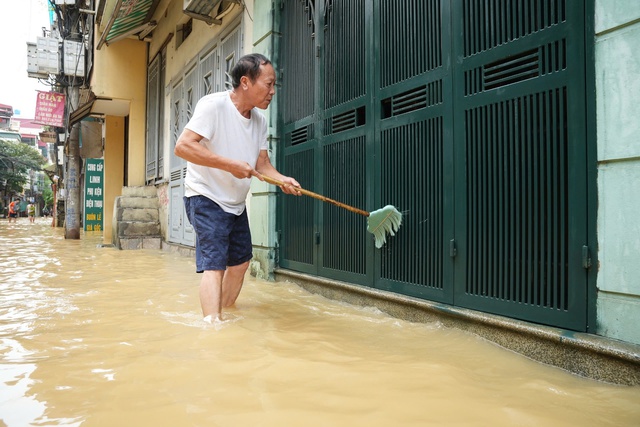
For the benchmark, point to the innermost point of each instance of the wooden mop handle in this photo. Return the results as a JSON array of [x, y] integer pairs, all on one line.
[[315, 195]]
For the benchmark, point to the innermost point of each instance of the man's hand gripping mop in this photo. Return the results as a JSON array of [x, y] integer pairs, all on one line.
[[379, 222]]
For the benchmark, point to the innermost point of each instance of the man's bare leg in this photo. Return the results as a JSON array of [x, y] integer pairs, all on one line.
[[221, 289], [232, 283], [211, 293]]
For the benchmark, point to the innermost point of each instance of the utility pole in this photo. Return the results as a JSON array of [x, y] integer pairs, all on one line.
[[73, 208], [70, 30]]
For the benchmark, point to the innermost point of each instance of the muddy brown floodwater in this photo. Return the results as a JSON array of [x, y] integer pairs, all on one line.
[[94, 336]]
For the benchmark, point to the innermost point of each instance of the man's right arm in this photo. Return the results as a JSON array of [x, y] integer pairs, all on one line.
[[189, 148]]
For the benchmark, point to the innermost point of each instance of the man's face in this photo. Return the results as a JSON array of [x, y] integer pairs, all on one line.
[[261, 91]]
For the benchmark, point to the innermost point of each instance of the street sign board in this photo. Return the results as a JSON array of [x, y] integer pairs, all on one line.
[[93, 195]]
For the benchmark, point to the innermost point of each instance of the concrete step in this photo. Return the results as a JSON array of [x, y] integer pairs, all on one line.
[[137, 219], [138, 214], [133, 243], [136, 202], [138, 229], [145, 191]]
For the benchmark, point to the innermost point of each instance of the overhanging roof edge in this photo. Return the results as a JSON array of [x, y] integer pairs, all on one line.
[[112, 19], [131, 18]]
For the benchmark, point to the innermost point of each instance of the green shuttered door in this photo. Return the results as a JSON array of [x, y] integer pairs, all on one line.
[[469, 117]]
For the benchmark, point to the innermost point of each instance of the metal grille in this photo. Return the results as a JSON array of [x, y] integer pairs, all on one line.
[[208, 67], [175, 124], [176, 175], [207, 84], [344, 51], [413, 182], [298, 242], [190, 94], [410, 39], [468, 116], [231, 48], [300, 135], [344, 232], [517, 200], [513, 69], [524, 182], [345, 121], [414, 99], [488, 24], [161, 97], [152, 119], [176, 113], [516, 68], [297, 60]]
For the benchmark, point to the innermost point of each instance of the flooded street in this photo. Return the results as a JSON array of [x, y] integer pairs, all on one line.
[[94, 336]]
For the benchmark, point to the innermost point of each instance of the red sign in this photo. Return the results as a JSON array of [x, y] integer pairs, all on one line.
[[50, 109]]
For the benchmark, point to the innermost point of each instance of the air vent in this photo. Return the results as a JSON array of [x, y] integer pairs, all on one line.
[[413, 100], [547, 59], [176, 175], [345, 121], [513, 69], [300, 135]]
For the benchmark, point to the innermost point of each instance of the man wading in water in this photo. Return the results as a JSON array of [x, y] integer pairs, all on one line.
[[14, 210], [225, 144]]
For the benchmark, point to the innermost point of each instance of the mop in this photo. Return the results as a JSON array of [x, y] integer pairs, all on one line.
[[380, 222]]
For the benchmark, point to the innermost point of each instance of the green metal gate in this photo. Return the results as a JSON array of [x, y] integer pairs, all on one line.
[[469, 117]]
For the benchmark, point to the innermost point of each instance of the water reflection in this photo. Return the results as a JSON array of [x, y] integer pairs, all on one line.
[[99, 337]]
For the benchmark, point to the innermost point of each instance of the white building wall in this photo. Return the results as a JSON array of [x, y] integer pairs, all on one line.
[[617, 69], [262, 206]]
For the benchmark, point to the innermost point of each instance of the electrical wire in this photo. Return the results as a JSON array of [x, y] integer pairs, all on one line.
[[246, 9]]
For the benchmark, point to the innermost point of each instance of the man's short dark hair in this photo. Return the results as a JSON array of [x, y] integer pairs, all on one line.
[[248, 65]]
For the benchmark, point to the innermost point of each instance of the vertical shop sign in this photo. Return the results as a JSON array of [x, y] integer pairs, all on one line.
[[93, 189]]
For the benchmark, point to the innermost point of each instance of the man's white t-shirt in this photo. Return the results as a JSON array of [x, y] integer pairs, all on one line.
[[226, 133]]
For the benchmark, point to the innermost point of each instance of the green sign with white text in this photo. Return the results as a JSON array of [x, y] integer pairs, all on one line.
[[93, 189]]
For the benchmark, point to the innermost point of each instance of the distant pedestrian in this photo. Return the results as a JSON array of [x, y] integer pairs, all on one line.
[[14, 208], [31, 212]]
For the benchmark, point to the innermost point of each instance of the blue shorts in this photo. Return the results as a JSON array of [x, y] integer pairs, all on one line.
[[222, 239]]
